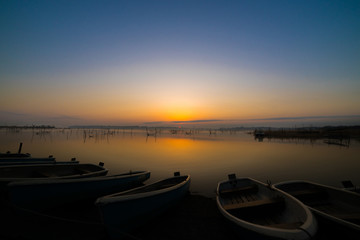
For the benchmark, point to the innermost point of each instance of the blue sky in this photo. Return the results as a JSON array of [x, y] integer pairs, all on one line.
[[287, 50]]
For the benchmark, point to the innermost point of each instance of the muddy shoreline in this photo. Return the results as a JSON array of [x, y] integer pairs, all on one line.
[[195, 217]]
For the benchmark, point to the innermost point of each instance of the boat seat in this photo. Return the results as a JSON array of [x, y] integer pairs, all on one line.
[[257, 203], [245, 189]]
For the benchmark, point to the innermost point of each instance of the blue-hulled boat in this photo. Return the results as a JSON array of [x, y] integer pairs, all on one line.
[[124, 211], [49, 193]]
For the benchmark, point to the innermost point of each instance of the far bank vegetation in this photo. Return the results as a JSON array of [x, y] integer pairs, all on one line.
[[339, 135]]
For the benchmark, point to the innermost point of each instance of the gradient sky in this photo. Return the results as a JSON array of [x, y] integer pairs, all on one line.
[[122, 62]]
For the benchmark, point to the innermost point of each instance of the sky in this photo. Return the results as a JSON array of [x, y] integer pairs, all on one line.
[[151, 62]]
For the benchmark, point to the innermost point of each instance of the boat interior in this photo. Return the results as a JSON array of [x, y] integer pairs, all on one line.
[[157, 186], [311, 196], [321, 200], [246, 203]]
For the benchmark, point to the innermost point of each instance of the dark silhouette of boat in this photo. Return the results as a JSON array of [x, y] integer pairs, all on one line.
[[124, 211]]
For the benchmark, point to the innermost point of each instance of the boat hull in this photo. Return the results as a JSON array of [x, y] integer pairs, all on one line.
[[126, 212], [43, 195]]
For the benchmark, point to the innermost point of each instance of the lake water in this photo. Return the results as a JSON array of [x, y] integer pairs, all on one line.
[[208, 158]]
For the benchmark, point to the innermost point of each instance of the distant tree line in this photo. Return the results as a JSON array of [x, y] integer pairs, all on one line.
[[339, 132]]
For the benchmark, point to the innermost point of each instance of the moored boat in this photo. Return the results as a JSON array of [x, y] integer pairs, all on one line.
[[16, 158], [14, 155], [23, 157], [46, 194], [9, 154], [259, 211], [124, 211], [49, 171], [32, 161], [335, 205]]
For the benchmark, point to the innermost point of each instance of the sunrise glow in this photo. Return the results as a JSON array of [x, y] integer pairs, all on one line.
[[132, 65]]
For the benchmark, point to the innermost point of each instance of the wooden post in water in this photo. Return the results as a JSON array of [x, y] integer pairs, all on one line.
[[20, 148]]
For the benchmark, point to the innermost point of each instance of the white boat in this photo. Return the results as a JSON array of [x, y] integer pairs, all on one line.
[[336, 205], [124, 211], [46, 194], [49, 171], [261, 212]]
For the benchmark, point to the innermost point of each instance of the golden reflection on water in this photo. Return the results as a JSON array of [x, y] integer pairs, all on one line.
[[207, 157]]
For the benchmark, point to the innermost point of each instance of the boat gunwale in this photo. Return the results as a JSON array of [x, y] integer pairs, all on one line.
[[123, 196]]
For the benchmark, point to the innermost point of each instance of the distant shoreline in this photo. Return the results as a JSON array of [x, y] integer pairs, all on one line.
[[273, 131]]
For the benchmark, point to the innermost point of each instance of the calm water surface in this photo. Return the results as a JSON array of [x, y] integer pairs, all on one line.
[[208, 158]]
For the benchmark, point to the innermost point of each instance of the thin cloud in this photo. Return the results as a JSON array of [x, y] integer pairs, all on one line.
[[198, 121]]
